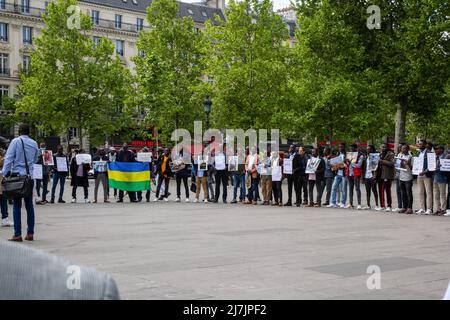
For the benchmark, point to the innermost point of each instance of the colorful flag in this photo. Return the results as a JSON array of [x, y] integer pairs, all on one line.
[[129, 176]]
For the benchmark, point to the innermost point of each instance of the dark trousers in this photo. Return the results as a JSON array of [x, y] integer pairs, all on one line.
[[44, 183], [166, 181], [354, 183], [399, 193], [329, 185], [311, 185], [407, 194], [303, 185], [295, 182], [131, 194], [252, 191], [61, 179], [221, 180], [371, 186], [185, 183], [4, 205], [277, 191], [384, 186], [74, 192], [320, 186], [17, 214], [139, 195]]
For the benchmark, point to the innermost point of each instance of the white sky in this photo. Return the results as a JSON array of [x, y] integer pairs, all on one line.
[[277, 4]]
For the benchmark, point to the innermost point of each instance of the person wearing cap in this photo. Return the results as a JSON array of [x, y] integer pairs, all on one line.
[[440, 181]]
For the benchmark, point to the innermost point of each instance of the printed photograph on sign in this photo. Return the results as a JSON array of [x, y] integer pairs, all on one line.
[[233, 163], [47, 158]]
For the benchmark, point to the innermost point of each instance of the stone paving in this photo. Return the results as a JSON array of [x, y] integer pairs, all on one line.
[[234, 251]]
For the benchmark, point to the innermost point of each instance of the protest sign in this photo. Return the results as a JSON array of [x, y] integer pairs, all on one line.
[[144, 157], [83, 158], [47, 158], [287, 166], [37, 171], [61, 164]]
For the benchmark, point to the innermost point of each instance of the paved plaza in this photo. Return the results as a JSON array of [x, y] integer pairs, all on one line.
[[234, 251]]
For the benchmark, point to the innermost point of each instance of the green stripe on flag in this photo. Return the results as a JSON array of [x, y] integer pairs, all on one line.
[[129, 186]]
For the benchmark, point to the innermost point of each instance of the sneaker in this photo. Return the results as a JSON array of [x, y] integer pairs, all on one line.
[[332, 205], [206, 200], [420, 211], [388, 209], [396, 209], [447, 214], [234, 201], [366, 208], [61, 201], [378, 208], [187, 200], [195, 200], [342, 206], [86, 201], [177, 200], [7, 223], [359, 207], [74, 200], [166, 199], [155, 200], [428, 212]]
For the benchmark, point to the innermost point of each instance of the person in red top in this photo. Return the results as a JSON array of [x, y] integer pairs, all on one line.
[[354, 173]]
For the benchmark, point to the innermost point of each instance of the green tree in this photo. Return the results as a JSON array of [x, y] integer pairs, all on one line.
[[169, 71], [247, 58], [73, 82]]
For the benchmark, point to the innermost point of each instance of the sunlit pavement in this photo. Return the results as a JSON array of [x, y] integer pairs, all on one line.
[[235, 251]]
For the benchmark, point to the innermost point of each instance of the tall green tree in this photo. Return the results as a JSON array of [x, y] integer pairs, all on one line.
[[247, 58], [169, 71], [73, 82]]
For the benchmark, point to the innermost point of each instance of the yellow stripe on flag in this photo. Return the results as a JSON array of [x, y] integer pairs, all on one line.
[[129, 176]]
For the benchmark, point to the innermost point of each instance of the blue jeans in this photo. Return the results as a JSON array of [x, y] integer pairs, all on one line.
[[399, 194], [239, 182], [4, 205], [61, 178], [17, 211], [339, 182]]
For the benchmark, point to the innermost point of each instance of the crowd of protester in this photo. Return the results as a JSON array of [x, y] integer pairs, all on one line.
[[256, 178]]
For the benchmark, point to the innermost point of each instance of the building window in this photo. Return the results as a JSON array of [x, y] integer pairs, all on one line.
[[4, 92], [26, 60], [2, 4], [3, 32], [73, 133], [118, 21], [27, 35], [4, 64], [139, 24], [25, 7], [95, 17], [120, 47]]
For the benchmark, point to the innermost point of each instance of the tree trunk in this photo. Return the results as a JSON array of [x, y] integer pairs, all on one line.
[[400, 122]]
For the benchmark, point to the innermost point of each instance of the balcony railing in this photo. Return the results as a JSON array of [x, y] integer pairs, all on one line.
[[38, 12]]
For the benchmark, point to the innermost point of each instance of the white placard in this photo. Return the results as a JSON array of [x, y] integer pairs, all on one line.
[[444, 165], [276, 173], [83, 158], [144, 157], [417, 165], [220, 162], [61, 164], [287, 166], [100, 166], [37, 171], [335, 161], [203, 162], [431, 160], [312, 165], [233, 163], [374, 159]]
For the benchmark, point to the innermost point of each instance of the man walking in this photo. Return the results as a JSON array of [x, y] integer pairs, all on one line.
[[20, 157]]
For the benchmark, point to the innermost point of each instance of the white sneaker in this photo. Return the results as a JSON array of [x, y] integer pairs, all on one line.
[[195, 200], [187, 200], [420, 211], [428, 212], [87, 201], [388, 209], [205, 200], [366, 208], [7, 223], [155, 200], [331, 206], [177, 200], [395, 210], [166, 199], [447, 214], [342, 206], [359, 207], [74, 200], [378, 208]]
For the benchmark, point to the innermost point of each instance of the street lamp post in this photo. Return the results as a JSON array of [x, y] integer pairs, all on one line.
[[207, 104]]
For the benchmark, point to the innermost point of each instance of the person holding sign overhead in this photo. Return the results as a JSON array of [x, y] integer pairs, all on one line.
[[60, 173], [440, 182]]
